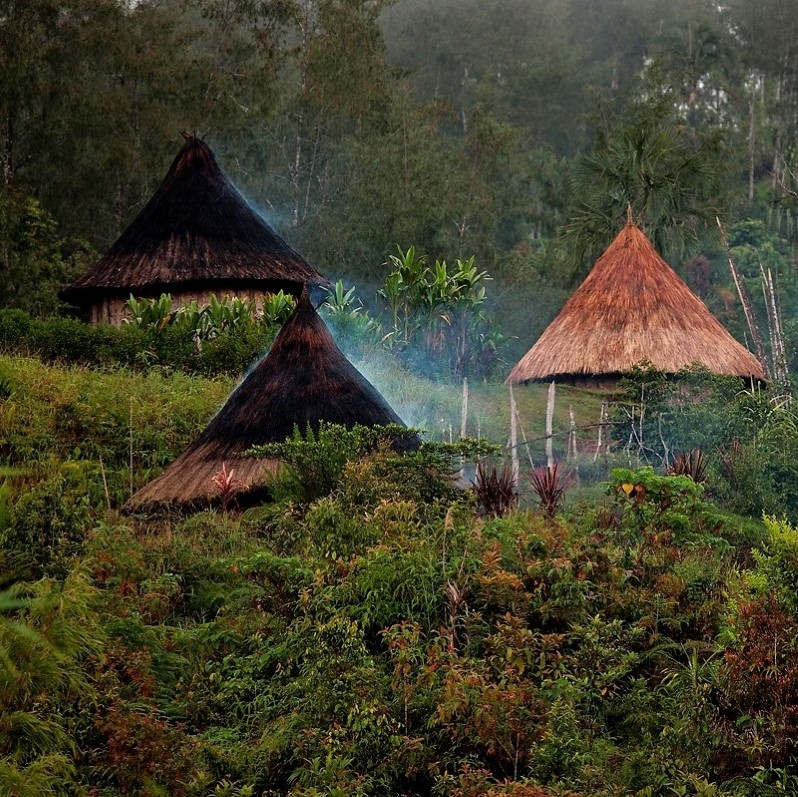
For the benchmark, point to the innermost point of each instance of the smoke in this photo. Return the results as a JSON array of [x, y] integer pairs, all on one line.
[[429, 405]]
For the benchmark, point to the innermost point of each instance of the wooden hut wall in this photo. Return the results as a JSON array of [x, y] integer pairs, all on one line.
[[112, 310]]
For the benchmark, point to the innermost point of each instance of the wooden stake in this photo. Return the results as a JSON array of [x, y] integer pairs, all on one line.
[[666, 452], [464, 409], [602, 419], [514, 439], [572, 434], [549, 425]]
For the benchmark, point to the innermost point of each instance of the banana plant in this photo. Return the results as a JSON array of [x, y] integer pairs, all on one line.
[[438, 308], [341, 301], [149, 313], [276, 308]]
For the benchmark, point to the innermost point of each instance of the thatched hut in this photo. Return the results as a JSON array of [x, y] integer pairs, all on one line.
[[632, 308], [197, 236], [304, 379]]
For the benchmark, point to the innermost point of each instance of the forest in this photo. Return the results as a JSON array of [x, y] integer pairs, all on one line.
[[513, 131], [526, 593]]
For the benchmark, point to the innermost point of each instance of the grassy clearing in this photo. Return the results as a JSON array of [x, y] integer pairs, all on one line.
[[435, 407], [80, 413]]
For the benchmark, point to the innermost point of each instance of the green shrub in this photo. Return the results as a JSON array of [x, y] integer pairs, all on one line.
[[316, 459], [776, 564], [748, 434], [74, 413], [48, 525], [647, 501], [232, 350]]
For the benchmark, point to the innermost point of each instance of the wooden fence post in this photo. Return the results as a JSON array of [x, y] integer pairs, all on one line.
[[571, 434], [549, 425], [464, 409], [514, 439]]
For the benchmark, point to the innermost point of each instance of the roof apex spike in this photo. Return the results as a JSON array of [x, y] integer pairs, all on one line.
[[630, 220]]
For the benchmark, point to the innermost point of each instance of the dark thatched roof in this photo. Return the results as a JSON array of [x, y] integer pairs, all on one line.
[[196, 233], [633, 308], [304, 379]]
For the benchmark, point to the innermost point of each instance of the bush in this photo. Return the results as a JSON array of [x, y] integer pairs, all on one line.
[[316, 459], [749, 435], [776, 564], [760, 681], [77, 414], [649, 502], [231, 351], [48, 526]]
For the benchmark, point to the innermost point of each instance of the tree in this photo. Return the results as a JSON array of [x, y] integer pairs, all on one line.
[[36, 261], [652, 165]]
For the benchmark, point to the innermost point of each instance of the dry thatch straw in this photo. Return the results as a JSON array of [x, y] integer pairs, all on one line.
[[304, 380], [196, 234], [633, 308]]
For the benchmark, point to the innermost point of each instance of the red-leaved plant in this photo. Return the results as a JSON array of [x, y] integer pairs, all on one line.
[[494, 490], [227, 485], [691, 463], [550, 485]]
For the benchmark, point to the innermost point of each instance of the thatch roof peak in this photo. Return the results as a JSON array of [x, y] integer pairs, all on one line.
[[303, 380], [196, 232], [633, 307]]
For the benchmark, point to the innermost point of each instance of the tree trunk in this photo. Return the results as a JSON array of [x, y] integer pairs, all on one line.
[[8, 147], [751, 104]]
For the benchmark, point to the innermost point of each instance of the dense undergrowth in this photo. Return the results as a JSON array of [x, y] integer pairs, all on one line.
[[381, 635]]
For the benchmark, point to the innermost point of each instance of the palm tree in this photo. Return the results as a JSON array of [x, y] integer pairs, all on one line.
[[670, 183]]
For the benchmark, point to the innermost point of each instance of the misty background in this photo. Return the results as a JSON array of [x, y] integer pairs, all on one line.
[[513, 130]]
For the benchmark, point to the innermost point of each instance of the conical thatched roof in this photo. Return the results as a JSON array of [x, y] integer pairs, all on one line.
[[633, 307], [196, 232], [304, 379]]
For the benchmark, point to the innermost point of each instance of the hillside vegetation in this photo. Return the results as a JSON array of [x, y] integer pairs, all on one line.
[[388, 637]]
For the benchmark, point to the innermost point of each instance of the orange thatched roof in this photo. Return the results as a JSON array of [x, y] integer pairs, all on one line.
[[631, 308]]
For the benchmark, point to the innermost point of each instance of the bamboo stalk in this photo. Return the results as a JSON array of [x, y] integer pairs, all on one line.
[[778, 350], [745, 301]]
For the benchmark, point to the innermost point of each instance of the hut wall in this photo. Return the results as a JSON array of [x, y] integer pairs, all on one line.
[[112, 310], [599, 382]]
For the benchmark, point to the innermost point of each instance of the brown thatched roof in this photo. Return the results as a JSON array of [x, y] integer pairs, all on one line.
[[632, 307], [304, 379], [196, 232]]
